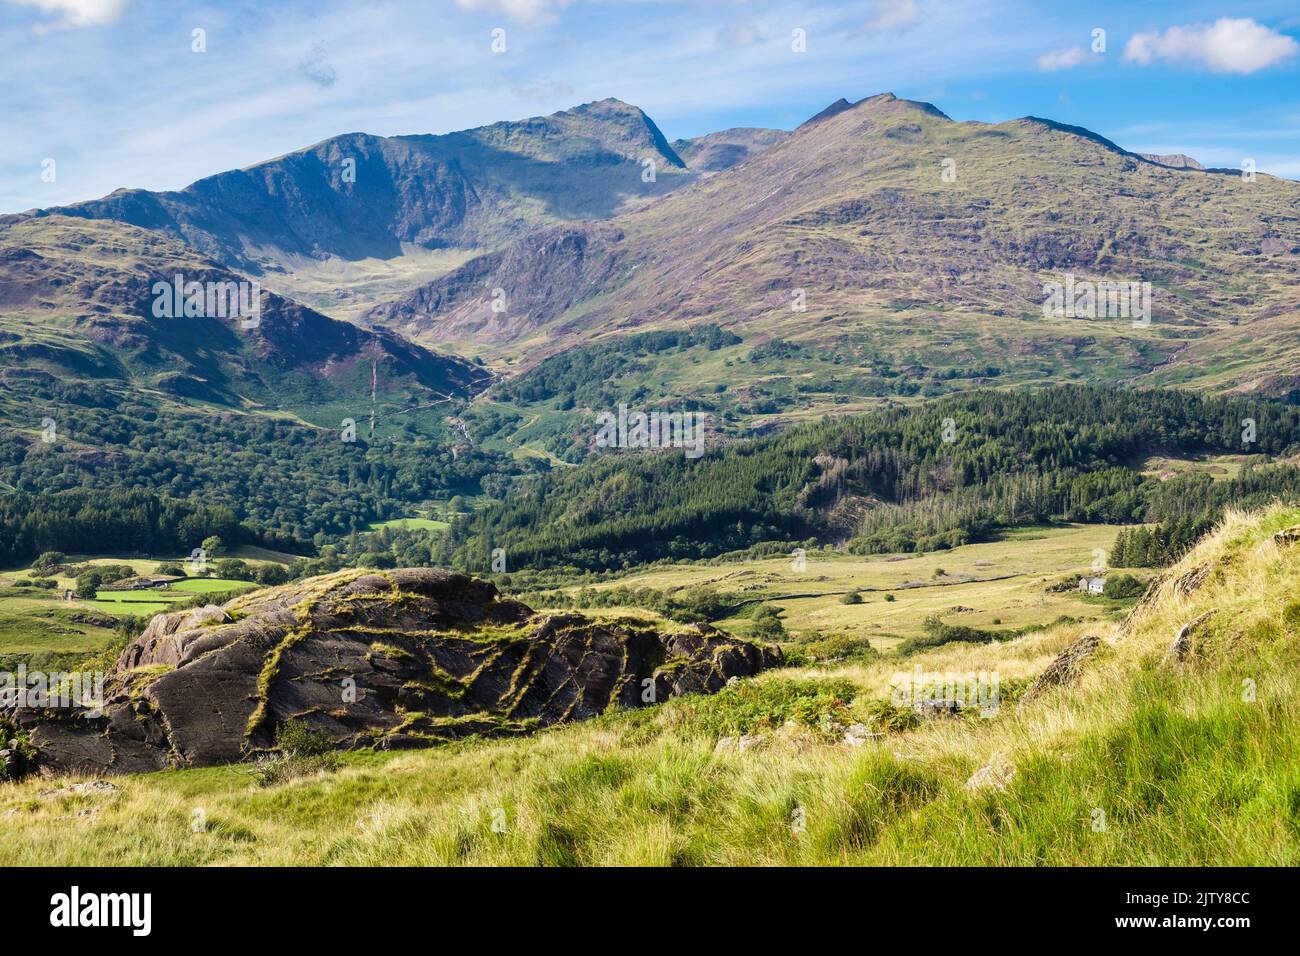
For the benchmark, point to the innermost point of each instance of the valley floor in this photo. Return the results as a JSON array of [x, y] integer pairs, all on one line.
[[998, 585]]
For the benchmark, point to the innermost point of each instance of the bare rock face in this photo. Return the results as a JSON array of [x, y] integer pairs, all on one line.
[[391, 659]]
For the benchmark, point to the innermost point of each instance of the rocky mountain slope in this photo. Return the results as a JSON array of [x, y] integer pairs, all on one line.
[[358, 196], [885, 226], [390, 660]]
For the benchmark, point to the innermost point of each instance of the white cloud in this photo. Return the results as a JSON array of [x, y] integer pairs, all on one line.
[[77, 13], [525, 11], [889, 15], [1062, 59], [1228, 46]]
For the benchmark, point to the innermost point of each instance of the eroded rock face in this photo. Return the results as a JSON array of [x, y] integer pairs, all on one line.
[[1064, 671], [390, 659]]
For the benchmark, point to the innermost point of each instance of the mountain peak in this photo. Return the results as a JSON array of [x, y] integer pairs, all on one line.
[[835, 109], [610, 104], [880, 99]]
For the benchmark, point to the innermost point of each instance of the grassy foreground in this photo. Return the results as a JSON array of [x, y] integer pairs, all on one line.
[[1139, 763]]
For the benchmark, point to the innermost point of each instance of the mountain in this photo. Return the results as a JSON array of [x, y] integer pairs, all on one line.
[[413, 200], [78, 299], [726, 148], [920, 247]]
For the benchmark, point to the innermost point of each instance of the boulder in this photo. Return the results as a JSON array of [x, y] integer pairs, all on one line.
[[996, 775], [855, 735], [386, 659], [1288, 537]]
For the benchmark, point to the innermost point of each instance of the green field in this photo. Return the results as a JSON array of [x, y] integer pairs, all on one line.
[[39, 627], [419, 524], [157, 600], [45, 632], [995, 585]]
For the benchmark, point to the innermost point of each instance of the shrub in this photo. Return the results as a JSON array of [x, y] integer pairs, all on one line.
[[1120, 586], [302, 752], [233, 569], [48, 562], [889, 717], [937, 633], [889, 597], [767, 624], [298, 739], [839, 647], [20, 754], [853, 597], [752, 706]]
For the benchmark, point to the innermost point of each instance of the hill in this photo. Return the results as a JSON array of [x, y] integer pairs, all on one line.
[[80, 301], [714, 152], [1104, 748], [914, 478]]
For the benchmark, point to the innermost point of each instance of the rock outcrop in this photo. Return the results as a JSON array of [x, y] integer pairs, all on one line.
[[384, 659], [1181, 646], [1064, 671]]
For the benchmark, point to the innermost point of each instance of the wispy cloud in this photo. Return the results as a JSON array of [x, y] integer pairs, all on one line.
[[1226, 46], [525, 11], [73, 14], [1062, 59], [891, 15]]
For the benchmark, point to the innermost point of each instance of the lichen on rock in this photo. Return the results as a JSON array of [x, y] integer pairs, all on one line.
[[385, 659]]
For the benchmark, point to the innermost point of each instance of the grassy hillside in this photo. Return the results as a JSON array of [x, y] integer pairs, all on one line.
[[1139, 762]]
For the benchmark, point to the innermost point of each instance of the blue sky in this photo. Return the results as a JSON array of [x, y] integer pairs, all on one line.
[[113, 92]]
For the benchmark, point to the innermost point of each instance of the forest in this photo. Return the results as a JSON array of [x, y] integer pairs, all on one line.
[[920, 477]]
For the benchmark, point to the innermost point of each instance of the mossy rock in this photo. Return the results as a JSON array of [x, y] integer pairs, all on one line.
[[394, 658]]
